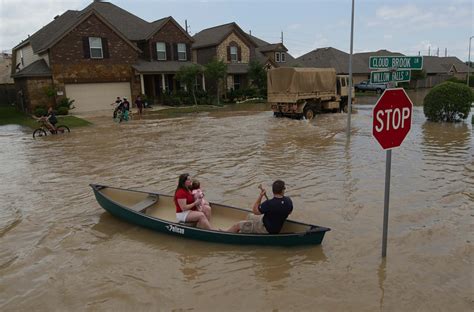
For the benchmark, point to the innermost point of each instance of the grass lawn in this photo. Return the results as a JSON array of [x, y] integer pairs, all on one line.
[[10, 115]]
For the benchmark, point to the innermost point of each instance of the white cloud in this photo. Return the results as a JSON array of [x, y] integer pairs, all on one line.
[[19, 21], [396, 12], [294, 26], [421, 18]]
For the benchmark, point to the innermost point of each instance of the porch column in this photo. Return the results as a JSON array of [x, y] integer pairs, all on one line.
[[142, 83], [163, 84], [203, 83]]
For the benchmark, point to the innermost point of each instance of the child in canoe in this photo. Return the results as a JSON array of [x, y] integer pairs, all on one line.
[[197, 192]]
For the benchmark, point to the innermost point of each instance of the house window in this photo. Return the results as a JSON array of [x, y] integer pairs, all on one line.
[[161, 51], [277, 57], [95, 45], [233, 54], [282, 57], [182, 52]]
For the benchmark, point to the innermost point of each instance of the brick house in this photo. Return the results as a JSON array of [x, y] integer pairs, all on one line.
[[237, 49], [94, 55]]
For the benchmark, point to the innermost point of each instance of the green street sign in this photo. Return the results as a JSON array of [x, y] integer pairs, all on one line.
[[388, 76], [400, 62]]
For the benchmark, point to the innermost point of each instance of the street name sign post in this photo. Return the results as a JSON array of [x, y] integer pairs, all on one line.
[[399, 62], [392, 117], [389, 76]]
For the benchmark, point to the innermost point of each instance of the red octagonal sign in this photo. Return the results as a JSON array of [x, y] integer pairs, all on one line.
[[392, 118]]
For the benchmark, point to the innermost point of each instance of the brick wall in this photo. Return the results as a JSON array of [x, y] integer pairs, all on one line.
[[69, 65], [204, 56], [222, 48], [34, 93], [172, 35]]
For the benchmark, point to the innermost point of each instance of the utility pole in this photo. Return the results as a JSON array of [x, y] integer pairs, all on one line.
[[349, 102], [469, 61], [445, 52], [186, 26]]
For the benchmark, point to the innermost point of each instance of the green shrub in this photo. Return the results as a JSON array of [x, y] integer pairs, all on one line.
[[40, 111], [448, 101], [62, 110], [66, 102]]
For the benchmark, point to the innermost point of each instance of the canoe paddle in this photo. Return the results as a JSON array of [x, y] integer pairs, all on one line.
[[261, 189]]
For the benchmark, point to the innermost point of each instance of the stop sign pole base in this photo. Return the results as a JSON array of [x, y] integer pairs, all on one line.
[[388, 167]]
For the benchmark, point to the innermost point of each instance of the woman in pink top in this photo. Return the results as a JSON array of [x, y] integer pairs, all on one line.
[[186, 207], [198, 194]]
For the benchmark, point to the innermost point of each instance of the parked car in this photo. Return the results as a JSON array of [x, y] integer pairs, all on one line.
[[366, 85]]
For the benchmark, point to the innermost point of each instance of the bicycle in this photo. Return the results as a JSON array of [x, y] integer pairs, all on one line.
[[43, 130], [120, 115]]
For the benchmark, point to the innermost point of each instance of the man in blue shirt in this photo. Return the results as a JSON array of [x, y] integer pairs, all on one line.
[[269, 216]]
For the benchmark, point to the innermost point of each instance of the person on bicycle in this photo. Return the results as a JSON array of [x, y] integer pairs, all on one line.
[[118, 106], [125, 109], [49, 119]]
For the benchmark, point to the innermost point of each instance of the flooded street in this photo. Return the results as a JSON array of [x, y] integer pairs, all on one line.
[[60, 251]]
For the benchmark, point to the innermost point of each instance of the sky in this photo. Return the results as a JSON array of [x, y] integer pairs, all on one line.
[[410, 27]]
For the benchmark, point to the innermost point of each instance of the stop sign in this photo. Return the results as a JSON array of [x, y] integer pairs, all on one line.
[[392, 118]]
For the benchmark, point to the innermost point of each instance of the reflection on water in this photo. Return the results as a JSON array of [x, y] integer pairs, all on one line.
[[61, 250], [381, 273]]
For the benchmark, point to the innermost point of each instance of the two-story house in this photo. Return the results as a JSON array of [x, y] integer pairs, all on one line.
[[237, 49], [96, 54], [272, 55], [230, 44]]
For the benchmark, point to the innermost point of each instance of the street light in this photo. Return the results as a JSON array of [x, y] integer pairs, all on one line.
[[469, 61]]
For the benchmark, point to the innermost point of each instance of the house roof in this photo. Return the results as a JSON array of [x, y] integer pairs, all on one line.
[[46, 35], [146, 67], [263, 46], [442, 65], [329, 58], [273, 47], [133, 27], [125, 23], [35, 69], [213, 36]]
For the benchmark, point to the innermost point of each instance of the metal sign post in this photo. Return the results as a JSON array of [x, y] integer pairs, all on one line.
[[388, 169], [392, 114]]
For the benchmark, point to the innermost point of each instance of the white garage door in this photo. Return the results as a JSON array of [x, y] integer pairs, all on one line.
[[90, 97]]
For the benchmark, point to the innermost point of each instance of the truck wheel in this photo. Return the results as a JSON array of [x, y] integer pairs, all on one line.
[[308, 113]]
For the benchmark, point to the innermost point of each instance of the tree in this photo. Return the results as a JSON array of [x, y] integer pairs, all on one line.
[[258, 75], [216, 70], [187, 76], [448, 101]]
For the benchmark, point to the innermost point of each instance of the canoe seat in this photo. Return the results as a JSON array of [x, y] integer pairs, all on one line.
[[147, 202], [192, 224]]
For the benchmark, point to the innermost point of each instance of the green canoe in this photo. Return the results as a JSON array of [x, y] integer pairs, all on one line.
[[157, 212]]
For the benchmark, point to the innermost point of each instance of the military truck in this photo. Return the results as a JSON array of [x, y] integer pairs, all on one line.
[[304, 92]]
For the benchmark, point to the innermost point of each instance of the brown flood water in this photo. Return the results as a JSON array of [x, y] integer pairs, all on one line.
[[59, 251]]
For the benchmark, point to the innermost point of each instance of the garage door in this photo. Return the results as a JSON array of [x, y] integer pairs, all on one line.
[[90, 97]]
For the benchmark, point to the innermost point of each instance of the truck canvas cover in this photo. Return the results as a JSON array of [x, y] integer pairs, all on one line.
[[292, 84]]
